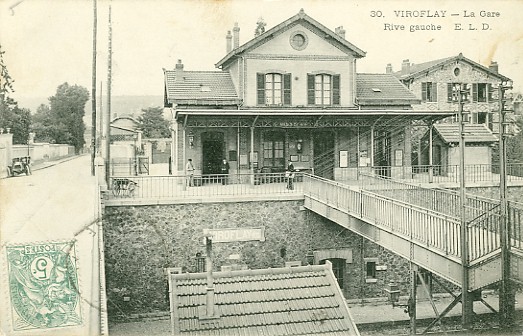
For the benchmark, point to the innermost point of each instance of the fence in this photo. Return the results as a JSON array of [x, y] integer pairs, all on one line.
[[444, 173], [162, 187], [430, 228], [130, 166]]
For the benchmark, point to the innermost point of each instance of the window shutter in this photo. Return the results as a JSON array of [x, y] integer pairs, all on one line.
[[489, 93], [260, 84], [434, 95], [287, 89], [424, 91], [336, 90], [449, 91], [475, 93], [310, 89]]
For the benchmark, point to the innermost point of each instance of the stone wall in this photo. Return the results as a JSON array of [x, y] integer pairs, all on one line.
[[141, 241]]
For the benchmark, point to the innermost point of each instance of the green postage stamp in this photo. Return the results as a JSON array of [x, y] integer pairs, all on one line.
[[43, 284]]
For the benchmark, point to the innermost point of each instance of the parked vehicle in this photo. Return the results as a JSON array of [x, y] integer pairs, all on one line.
[[19, 166]]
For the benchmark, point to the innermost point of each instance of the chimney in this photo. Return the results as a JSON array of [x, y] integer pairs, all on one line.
[[388, 69], [494, 67], [340, 32], [229, 41], [178, 70], [405, 67], [236, 35]]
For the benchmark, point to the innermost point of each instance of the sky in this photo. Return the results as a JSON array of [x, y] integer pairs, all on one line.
[[49, 42]]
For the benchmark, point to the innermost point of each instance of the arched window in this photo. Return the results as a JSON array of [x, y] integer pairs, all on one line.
[[274, 89], [323, 89]]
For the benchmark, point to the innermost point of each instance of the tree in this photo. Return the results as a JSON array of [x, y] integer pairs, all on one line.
[[65, 121], [18, 120], [515, 143], [153, 124], [43, 124]]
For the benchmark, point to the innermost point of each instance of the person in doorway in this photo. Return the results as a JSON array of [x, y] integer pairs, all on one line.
[[189, 173], [289, 173], [224, 168]]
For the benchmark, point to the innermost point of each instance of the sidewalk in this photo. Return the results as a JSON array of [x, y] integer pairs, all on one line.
[[47, 164], [383, 312]]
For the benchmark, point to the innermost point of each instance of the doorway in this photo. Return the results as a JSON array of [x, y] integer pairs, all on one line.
[[382, 153], [213, 152], [324, 154], [436, 159]]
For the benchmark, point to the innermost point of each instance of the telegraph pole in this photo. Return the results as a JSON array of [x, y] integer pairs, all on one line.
[[93, 94], [466, 304], [108, 114], [506, 295]]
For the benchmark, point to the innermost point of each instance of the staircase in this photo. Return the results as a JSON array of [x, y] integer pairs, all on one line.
[[423, 225]]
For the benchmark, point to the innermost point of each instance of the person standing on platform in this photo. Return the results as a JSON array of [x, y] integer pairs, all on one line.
[[289, 173], [189, 173], [225, 171]]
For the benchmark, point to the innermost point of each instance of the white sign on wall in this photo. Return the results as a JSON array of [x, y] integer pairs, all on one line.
[[236, 234]]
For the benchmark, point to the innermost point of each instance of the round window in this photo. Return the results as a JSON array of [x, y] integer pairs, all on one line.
[[299, 40], [456, 72]]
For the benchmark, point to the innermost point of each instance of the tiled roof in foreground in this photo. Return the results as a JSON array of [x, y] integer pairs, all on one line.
[[304, 300]]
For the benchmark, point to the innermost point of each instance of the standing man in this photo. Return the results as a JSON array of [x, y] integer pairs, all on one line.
[[189, 173], [225, 171], [289, 173]]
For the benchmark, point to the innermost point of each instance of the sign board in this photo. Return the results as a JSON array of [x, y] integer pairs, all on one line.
[[398, 155], [344, 159], [236, 234]]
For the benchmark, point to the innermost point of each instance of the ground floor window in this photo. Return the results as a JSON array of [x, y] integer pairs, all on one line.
[[338, 268]]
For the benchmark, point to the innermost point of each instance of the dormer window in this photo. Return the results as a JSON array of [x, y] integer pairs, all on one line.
[[274, 89]]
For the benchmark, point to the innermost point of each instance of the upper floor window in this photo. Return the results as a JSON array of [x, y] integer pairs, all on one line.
[[481, 92], [429, 92], [323, 89], [274, 89]]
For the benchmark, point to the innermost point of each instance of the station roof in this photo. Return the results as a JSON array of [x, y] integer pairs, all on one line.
[[382, 89], [200, 87], [449, 133]]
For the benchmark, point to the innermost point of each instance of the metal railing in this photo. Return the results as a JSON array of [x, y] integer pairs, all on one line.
[[440, 200], [515, 219], [445, 173], [162, 187], [425, 226]]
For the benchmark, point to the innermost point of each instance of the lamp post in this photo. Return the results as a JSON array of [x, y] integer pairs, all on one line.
[[506, 295], [393, 294]]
